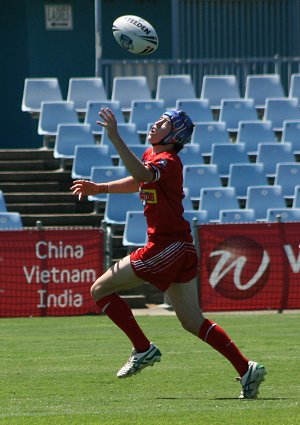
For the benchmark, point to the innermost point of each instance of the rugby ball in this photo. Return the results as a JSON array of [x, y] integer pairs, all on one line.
[[135, 35]]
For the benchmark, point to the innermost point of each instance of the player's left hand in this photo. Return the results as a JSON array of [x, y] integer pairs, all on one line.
[[109, 122]]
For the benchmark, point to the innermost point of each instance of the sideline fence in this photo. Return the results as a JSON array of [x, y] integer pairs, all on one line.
[[242, 267]]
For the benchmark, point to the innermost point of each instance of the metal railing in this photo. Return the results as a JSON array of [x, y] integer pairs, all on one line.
[[197, 68]]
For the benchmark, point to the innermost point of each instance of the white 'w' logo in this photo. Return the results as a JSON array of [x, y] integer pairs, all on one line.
[[220, 270]]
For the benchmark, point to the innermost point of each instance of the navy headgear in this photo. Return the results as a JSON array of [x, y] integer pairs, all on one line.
[[182, 128]]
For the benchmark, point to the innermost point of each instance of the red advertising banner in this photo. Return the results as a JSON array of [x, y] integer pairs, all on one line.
[[49, 272], [249, 266]]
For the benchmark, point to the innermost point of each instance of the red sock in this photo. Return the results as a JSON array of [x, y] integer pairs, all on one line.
[[215, 336], [120, 313]]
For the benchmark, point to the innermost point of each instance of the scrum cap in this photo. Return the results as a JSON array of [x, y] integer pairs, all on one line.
[[182, 128]]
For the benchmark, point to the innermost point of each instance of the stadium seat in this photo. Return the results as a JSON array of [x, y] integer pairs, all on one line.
[[52, 114], [190, 154], [237, 216], [197, 109], [263, 86], [291, 133], [144, 112], [3, 207], [10, 221], [172, 87], [200, 215], [38, 90], [269, 154], [261, 198], [232, 111], [70, 135], [213, 200], [117, 205], [135, 229], [277, 110], [127, 89], [105, 174], [296, 201], [287, 175], [128, 133], [243, 175], [218, 87], [87, 157], [195, 177], [208, 133], [283, 215], [225, 154], [294, 90], [92, 114], [251, 133], [187, 202], [81, 90]]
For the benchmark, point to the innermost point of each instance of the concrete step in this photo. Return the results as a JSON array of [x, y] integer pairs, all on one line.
[[42, 197], [21, 165], [35, 176], [23, 187], [26, 154], [31, 208], [65, 220]]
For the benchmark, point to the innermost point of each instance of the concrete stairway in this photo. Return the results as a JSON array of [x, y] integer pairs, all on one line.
[[35, 186]]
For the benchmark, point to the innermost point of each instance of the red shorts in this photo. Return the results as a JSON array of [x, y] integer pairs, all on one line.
[[164, 262]]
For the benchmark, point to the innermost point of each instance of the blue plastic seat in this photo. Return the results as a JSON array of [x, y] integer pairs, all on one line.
[[70, 135], [291, 133], [197, 109], [208, 133], [105, 174], [218, 87], [277, 110], [251, 133], [117, 205], [87, 157], [200, 215], [92, 114], [283, 214], [81, 90], [190, 155], [135, 229], [287, 175], [232, 111], [214, 199], [128, 133], [243, 175], [10, 221], [38, 90], [127, 89], [223, 155], [52, 114], [195, 177], [3, 206], [294, 90], [187, 203], [263, 86], [261, 198], [237, 216], [144, 112], [269, 154], [296, 201], [172, 87]]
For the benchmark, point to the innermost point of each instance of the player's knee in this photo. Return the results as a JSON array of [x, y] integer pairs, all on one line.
[[95, 290]]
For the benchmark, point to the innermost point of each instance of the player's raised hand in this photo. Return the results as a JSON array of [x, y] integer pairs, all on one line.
[[85, 188], [109, 122]]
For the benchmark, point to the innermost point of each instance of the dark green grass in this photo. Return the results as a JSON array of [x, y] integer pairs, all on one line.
[[63, 371]]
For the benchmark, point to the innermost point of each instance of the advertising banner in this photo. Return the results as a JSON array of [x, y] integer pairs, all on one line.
[[49, 272], [250, 266]]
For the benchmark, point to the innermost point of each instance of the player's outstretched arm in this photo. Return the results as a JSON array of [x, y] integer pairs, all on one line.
[[86, 188]]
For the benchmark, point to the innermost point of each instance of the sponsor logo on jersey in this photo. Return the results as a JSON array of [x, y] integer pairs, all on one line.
[[148, 196]]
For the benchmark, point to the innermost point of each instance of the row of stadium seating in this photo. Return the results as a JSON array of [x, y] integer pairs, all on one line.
[[169, 88]]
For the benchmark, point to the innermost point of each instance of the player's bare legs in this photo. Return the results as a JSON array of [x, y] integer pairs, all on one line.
[[184, 298], [121, 276]]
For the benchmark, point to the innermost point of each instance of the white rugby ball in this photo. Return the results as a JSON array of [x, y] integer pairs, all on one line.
[[135, 35]]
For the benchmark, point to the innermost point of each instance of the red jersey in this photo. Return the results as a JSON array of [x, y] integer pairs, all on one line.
[[162, 197]]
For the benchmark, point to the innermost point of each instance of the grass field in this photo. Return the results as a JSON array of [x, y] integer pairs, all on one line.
[[62, 371]]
